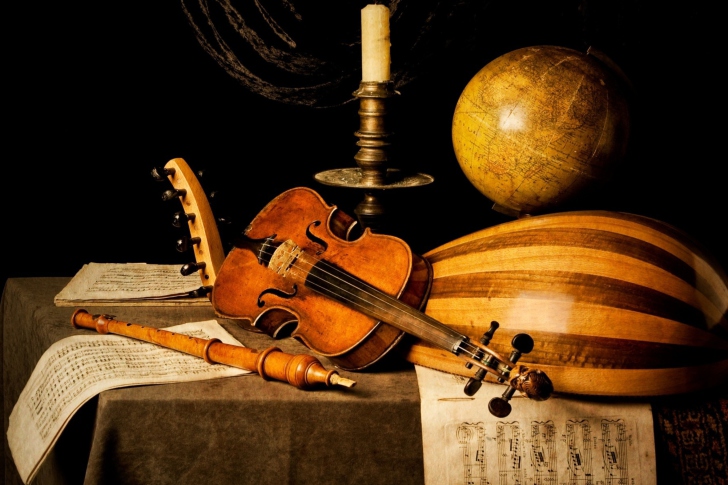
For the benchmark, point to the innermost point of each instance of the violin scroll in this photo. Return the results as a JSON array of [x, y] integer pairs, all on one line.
[[534, 383]]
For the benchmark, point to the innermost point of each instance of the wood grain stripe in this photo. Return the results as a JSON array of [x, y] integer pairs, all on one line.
[[586, 261], [579, 238], [580, 288], [472, 317]]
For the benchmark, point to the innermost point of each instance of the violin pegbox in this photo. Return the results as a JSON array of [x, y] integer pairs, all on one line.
[[204, 237], [533, 383]]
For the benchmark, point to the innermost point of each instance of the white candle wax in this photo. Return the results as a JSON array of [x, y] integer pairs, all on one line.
[[375, 43]]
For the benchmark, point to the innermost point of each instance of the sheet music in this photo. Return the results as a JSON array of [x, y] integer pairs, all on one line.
[[130, 283], [75, 369], [554, 442]]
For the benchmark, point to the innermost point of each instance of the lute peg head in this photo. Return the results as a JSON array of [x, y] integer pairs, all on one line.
[[160, 174], [184, 243]]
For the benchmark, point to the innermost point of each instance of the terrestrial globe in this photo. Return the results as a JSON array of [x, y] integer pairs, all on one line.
[[540, 125]]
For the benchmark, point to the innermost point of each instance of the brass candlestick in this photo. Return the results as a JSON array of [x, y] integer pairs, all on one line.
[[373, 173]]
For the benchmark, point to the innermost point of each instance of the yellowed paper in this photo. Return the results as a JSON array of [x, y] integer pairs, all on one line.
[[75, 369], [130, 284], [553, 442]]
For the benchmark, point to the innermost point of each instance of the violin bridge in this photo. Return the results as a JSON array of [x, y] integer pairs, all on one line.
[[284, 257]]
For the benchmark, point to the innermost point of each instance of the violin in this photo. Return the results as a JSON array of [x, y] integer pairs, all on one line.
[[350, 301]]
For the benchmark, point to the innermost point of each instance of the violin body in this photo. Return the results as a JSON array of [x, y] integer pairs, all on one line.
[[246, 289], [617, 304]]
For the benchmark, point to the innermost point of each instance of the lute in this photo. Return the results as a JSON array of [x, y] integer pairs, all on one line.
[[619, 304]]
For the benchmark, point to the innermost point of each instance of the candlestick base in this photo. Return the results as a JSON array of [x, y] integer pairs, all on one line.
[[373, 173], [354, 178]]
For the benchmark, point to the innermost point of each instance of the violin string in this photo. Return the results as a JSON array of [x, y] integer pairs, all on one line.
[[465, 345], [471, 351]]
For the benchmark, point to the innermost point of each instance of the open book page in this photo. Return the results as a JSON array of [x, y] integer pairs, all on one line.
[[130, 284], [548, 442], [75, 369]]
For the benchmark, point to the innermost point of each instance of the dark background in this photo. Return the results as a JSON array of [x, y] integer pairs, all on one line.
[[97, 94]]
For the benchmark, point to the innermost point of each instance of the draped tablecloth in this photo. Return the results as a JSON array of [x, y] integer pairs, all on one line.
[[247, 430], [231, 430]]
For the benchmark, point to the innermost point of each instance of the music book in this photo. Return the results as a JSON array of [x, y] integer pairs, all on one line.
[[126, 284]]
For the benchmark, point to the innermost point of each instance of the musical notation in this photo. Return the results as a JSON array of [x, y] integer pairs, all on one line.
[[508, 438], [75, 369], [542, 446], [579, 444], [564, 441], [125, 284], [614, 452], [471, 438]]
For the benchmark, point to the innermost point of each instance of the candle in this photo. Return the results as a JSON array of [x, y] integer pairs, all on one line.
[[375, 43]]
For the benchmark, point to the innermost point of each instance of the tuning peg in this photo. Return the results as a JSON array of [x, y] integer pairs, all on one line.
[[499, 406], [201, 291], [522, 343], [184, 243], [179, 218], [475, 382], [191, 268], [539, 385], [160, 174], [173, 194]]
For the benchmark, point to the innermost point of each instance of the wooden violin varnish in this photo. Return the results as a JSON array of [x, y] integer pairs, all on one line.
[[290, 274]]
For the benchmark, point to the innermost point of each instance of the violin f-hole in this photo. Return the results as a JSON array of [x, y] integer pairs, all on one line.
[[316, 239], [276, 292]]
